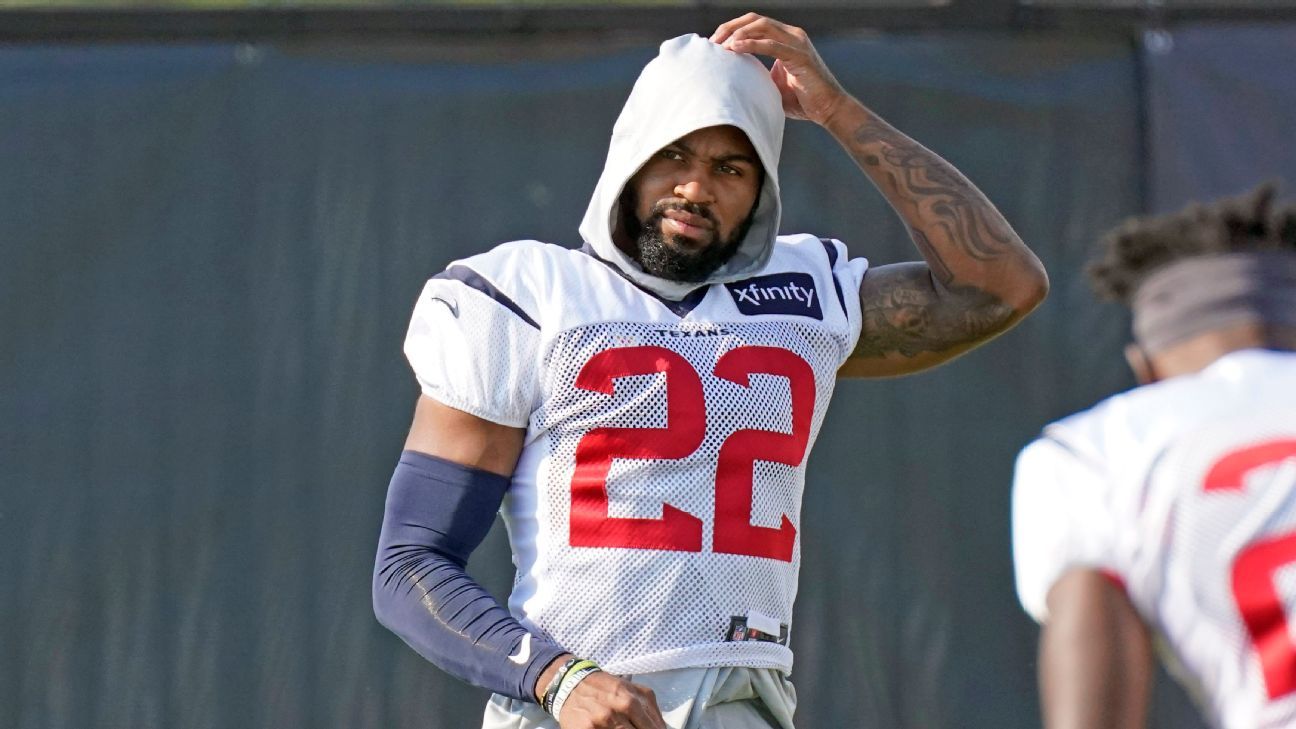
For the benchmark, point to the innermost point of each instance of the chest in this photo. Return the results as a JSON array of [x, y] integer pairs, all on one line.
[[688, 380]]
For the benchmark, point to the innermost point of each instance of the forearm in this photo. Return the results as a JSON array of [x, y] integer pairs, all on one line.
[[449, 619], [1095, 657], [964, 239], [437, 513]]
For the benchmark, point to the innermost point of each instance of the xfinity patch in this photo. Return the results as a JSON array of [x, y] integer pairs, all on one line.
[[779, 293]]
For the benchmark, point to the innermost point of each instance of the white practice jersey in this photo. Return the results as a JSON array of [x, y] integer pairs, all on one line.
[[1185, 491], [654, 515]]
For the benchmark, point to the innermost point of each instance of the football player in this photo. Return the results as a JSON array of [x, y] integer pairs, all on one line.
[[1166, 516], [640, 410]]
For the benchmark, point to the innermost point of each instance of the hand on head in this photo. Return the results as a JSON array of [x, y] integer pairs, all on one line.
[[808, 88]]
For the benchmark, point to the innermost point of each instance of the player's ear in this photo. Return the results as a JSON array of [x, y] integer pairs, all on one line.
[[1138, 360]]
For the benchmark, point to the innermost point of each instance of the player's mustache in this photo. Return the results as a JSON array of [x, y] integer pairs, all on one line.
[[659, 211]]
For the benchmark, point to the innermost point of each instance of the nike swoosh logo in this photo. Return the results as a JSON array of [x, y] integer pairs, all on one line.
[[524, 651], [451, 305]]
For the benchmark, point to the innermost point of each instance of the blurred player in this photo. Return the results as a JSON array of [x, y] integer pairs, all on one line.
[[643, 408], [1167, 514]]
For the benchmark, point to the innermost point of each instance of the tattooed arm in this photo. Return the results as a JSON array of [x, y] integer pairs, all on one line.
[[977, 278]]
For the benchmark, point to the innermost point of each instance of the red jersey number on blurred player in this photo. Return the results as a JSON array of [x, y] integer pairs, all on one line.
[[1254, 569]]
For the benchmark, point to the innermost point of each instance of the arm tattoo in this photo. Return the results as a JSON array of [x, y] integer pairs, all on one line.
[[905, 313], [957, 209], [915, 309], [940, 271]]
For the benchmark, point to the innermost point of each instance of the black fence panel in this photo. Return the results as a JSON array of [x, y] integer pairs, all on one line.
[[1221, 108]]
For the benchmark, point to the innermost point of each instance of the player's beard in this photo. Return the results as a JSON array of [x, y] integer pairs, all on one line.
[[686, 261]]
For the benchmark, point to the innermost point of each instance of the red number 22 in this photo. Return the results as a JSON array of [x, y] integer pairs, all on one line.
[[685, 428]]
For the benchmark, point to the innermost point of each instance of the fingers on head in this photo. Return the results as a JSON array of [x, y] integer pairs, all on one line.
[[766, 40], [762, 27], [764, 47], [755, 30], [725, 29]]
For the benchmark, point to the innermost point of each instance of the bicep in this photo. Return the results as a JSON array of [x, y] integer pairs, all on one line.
[[445, 432], [1095, 655], [909, 322]]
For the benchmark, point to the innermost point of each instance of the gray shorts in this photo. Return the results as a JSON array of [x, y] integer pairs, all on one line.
[[690, 698]]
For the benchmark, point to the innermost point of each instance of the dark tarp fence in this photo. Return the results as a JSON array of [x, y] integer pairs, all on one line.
[[208, 254], [1221, 110]]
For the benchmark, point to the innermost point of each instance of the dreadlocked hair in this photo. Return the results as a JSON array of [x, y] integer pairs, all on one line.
[[1139, 246]]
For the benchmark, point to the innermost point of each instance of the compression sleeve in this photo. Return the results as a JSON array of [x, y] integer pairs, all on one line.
[[437, 513]]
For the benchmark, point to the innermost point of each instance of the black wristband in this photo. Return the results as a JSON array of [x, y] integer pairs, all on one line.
[[546, 702]]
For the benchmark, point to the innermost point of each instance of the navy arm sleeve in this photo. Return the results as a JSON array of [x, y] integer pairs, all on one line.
[[437, 513]]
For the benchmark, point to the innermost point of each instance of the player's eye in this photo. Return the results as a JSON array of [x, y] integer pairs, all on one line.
[[671, 154], [729, 170]]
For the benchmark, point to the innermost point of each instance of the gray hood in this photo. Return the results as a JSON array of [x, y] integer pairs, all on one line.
[[691, 84]]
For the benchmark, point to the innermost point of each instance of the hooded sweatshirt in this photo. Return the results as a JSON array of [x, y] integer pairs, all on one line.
[[692, 84]]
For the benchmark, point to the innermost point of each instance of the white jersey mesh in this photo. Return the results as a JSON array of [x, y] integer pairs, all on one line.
[[1204, 568], [452, 318], [673, 606], [1187, 491], [683, 407]]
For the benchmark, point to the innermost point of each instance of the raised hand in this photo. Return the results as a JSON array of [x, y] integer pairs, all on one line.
[[808, 88]]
